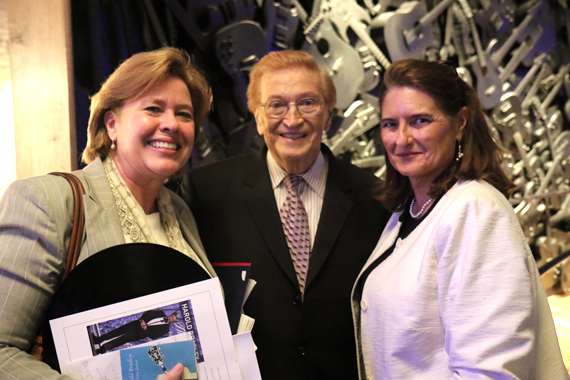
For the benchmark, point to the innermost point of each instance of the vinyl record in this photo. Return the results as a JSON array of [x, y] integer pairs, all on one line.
[[118, 274]]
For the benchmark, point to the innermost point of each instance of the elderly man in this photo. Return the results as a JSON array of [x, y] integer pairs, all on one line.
[[153, 324], [304, 220]]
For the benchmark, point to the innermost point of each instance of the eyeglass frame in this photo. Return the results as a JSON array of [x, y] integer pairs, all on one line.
[[317, 101]]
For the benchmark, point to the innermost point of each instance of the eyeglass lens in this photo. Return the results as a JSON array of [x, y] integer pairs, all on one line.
[[279, 107]]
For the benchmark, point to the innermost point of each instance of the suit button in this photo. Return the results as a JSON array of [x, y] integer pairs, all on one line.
[[297, 300], [364, 305], [301, 350]]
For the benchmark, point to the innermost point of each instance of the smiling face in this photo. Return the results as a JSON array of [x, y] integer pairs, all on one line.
[[293, 140], [419, 138], [154, 134]]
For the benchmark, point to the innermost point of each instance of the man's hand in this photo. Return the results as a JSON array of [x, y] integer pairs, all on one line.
[[174, 374], [143, 325]]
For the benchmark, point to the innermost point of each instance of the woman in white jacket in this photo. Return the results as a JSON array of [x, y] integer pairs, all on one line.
[[451, 291]]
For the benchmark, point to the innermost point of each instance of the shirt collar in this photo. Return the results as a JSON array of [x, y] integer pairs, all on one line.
[[316, 175]]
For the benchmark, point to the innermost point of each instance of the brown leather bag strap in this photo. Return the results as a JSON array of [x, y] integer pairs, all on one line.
[[77, 227], [78, 224]]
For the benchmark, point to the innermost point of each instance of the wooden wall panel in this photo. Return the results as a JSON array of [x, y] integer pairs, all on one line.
[[42, 81], [7, 153]]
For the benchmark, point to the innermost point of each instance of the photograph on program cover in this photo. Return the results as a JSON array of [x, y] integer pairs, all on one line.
[[146, 363], [141, 328]]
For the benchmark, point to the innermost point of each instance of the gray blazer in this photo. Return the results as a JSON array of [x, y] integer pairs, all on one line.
[[35, 227]]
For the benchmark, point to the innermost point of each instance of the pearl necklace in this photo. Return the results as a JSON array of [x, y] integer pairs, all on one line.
[[421, 210]]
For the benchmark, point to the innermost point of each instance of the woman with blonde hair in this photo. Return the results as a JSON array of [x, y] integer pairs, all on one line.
[[141, 131]]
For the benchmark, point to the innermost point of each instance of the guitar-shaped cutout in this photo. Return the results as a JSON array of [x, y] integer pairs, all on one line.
[[551, 117], [457, 37], [369, 65], [545, 44], [508, 115], [359, 118], [489, 79], [238, 47], [337, 57], [281, 23], [348, 15], [557, 84], [408, 30], [528, 212], [495, 18]]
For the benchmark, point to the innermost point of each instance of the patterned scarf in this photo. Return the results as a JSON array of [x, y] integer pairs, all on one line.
[[132, 216]]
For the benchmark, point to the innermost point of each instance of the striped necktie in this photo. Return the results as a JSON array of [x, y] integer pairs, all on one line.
[[296, 227]]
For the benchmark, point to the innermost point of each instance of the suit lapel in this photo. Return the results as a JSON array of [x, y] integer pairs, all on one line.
[[260, 201], [102, 220], [97, 186], [101, 217], [336, 208]]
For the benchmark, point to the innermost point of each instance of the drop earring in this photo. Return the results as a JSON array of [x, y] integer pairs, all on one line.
[[459, 152], [113, 146]]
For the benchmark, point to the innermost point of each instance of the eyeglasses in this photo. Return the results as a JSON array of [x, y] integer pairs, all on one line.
[[277, 108]]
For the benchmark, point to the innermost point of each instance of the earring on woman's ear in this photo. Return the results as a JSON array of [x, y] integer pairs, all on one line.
[[113, 146], [459, 152]]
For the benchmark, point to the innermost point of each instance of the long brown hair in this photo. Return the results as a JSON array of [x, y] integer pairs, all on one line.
[[134, 78], [482, 156]]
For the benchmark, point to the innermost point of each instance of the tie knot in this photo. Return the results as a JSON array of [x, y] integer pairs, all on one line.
[[292, 181]]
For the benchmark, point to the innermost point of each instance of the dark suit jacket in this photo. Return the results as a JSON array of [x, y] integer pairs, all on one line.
[[154, 331], [133, 331], [238, 220]]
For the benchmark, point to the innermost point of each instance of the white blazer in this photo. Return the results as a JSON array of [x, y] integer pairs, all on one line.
[[459, 298]]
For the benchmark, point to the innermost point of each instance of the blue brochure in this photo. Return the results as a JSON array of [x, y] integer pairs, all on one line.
[[146, 363]]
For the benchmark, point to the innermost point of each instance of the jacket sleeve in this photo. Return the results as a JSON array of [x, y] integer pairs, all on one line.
[[489, 290], [34, 233]]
